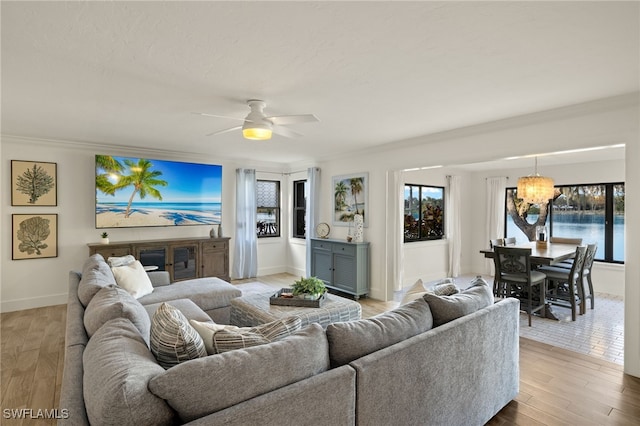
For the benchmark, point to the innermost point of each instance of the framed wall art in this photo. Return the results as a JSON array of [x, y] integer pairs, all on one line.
[[33, 183], [350, 197], [35, 236]]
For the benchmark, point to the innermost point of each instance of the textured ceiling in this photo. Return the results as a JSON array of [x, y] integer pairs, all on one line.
[[133, 73]]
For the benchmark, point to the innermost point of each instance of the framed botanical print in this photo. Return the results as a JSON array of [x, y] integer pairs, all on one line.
[[33, 183], [35, 236], [350, 197]]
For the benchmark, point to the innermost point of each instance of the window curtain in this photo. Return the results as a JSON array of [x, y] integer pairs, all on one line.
[[395, 231], [313, 208], [452, 209], [496, 198], [245, 258]]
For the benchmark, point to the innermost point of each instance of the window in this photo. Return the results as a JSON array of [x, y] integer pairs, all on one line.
[[593, 212], [268, 203], [423, 213], [299, 208]]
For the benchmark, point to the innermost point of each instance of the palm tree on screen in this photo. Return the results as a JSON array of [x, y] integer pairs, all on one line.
[[143, 179], [109, 167]]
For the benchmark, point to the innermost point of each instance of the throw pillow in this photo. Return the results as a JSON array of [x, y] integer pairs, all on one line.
[[354, 339], [445, 289], [173, 340], [120, 261], [95, 275], [224, 338], [114, 302], [448, 308], [415, 292], [133, 278]]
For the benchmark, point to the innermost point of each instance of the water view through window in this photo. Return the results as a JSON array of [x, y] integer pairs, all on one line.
[[594, 213]]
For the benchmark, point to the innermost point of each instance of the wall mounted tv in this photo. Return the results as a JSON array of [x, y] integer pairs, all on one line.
[[137, 192]]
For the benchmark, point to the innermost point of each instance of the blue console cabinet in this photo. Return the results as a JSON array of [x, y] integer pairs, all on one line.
[[341, 265]]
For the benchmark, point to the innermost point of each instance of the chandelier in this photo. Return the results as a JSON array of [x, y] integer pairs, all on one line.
[[535, 189]]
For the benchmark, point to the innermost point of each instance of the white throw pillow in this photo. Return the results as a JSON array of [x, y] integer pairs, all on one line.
[[121, 260], [134, 279], [415, 292]]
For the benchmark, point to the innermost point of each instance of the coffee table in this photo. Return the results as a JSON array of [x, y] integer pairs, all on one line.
[[255, 309]]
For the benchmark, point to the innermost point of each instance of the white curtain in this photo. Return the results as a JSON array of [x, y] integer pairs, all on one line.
[[395, 230], [452, 209], [496, 198], [245, 258], [313, 208]]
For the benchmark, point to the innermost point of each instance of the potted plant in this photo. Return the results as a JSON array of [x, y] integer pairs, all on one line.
[[309, 288], [105, 238]]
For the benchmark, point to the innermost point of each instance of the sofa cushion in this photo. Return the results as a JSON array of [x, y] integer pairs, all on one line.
[[224, 338], [114, 302], [117, 368], [95, 275], [173, 340], [206, 385], [133, 278], [443, 287], [351, 340], [208, 293], [447, 308]]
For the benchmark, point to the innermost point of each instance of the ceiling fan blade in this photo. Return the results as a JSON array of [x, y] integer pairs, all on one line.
[[286, 132], [219, 132], [292, 119], [217, 116]]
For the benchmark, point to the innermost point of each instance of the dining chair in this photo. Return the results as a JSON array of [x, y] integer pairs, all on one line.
[[514, 278], [564, 286], [511, 241], [586, 275]]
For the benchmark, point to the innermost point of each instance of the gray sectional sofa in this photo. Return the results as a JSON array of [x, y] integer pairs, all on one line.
[[393, 369]]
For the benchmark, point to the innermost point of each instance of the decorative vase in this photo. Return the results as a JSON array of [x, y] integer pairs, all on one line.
[[219, 230], [104, 240], [212, 233], [358, 222]]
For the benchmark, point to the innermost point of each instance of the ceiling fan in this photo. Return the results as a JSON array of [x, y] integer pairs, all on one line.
[[258, 126]]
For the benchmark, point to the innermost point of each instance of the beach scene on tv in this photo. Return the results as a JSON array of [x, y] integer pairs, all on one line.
[[136, 192]]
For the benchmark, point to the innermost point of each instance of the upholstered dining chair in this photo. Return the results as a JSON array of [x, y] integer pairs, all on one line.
[[564, 286], [514, 278]]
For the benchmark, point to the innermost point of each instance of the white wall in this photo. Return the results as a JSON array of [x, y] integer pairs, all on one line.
[[42, 282]]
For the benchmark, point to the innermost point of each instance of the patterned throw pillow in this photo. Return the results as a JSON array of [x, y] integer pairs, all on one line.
[[224, 338], [173, 340], [445, 289]]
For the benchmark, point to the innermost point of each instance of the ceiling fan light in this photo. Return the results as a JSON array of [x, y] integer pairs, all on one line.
[[257, 133]]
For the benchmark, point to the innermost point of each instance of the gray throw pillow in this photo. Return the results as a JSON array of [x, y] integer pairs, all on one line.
[[447, 308], [173, 339], [114, 302], [206, 385], [95, 275], [117, 369], [354, 339]]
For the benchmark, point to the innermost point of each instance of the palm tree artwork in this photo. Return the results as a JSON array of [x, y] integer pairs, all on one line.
[[143, 179], [349, 197]]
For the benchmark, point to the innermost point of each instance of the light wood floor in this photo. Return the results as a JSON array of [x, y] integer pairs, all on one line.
[[557, 386]]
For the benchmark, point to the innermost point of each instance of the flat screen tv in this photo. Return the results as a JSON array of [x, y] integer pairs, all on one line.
[[138, 192]]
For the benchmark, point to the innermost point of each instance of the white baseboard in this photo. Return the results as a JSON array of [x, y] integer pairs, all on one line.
[[32, 302]]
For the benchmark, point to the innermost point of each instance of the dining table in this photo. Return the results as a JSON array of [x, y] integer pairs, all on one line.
[[550, 254]]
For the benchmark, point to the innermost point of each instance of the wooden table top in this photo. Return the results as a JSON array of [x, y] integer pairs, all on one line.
[[553, 253]]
